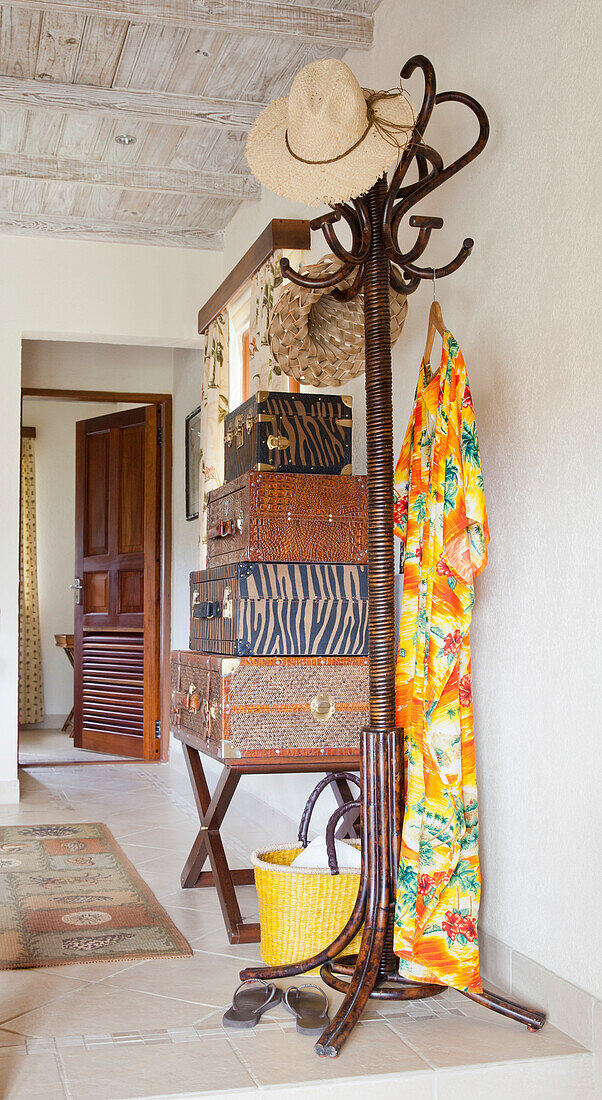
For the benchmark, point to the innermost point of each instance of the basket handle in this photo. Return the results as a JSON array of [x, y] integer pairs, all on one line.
[[330, 848], [326, 781]]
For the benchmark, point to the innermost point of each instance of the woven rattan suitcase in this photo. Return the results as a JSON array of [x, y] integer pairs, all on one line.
[[288, 517], [296, 433], [269, 706], [279, 608]]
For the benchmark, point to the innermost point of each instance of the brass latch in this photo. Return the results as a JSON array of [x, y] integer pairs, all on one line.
[[193, 701], [238, 431], [278, 442], [342, 423], [249, 422], [227, 604], [322, 707]]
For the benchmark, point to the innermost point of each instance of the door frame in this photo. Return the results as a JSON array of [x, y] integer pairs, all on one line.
[[165, 403]]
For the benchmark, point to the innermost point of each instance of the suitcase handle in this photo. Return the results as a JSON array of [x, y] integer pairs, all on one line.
[[326, 781], [207, 609], [223, 529], [333, 863]]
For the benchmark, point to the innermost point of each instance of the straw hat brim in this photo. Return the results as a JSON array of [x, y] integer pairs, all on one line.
[[338, 181]]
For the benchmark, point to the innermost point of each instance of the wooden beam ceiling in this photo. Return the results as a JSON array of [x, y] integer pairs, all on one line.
[[227, 185], [109, 231], [126, 104], [321, 26]]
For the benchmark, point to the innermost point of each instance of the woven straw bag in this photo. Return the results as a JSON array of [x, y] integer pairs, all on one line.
[[301, 911], [318, 340]]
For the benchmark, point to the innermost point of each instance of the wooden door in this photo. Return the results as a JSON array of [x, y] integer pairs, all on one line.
[[117, 553]]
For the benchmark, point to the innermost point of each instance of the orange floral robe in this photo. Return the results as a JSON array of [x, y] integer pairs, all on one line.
[[440, 515]]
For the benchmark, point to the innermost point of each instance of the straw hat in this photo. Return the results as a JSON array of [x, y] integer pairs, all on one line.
[[319, 340], [329, 139]]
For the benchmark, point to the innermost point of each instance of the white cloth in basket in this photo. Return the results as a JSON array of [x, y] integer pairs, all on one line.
[[316, 856]]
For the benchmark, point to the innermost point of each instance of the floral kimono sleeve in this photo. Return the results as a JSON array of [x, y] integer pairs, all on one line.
[[476, 513], [401, 485], [465, 529]]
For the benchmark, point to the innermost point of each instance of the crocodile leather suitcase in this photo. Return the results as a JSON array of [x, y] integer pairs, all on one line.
[[279, 608], [295, 433], [261, 707], [288, 517]]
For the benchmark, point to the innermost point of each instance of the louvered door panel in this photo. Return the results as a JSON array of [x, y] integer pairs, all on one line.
[[113, 692]]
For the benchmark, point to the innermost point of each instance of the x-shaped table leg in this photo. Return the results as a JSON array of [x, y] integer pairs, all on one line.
[[208, 846]]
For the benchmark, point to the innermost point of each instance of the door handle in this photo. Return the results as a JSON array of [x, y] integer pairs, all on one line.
[[77, 587]]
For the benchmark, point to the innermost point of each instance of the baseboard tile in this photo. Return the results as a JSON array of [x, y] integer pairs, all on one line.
[[566, 1006], [9, 792]]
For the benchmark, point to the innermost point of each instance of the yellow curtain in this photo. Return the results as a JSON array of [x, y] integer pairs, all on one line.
[[31, 681], [214, 406]]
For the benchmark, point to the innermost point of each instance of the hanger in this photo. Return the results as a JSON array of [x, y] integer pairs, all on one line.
[[435, 323]]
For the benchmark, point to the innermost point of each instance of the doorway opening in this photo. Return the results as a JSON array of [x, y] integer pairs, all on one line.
[[103, 472]]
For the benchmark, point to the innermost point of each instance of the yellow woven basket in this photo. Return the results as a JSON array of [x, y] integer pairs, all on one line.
[[301, 911]]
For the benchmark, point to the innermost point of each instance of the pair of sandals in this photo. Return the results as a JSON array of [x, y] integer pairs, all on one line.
[[308, 1003]]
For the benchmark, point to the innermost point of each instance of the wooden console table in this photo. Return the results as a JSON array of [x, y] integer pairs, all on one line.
[[66, 642], [208, 845]]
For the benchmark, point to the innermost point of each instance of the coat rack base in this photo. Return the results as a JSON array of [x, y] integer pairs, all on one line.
[[396, 988]]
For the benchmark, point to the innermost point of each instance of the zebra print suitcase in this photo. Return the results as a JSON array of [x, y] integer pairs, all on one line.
[[262, 707], [288, 517], [295, 433], [278, 608]]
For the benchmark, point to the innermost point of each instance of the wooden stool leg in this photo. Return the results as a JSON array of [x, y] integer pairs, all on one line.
[[202, 797], [209, 845], [68, 722]]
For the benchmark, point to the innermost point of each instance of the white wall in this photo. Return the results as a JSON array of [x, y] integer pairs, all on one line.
[[74, 365], [93, 293], [188, 374], [524, 309]]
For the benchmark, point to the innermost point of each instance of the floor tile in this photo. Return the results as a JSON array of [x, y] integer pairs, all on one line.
[[27, 1077], [106, 1007], [24, 990], [466, 1040], [204, 979], [136, 1071], [278, 1059], [194, 923]]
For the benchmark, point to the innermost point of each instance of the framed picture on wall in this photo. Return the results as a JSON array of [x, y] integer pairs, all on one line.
[[193, 458]]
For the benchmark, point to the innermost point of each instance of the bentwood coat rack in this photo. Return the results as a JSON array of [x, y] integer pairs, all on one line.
[[375, 255]]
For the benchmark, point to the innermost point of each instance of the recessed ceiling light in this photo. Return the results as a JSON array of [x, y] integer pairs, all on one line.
[[125, 139]]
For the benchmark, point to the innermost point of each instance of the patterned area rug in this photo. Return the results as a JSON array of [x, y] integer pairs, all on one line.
[[69, 894]]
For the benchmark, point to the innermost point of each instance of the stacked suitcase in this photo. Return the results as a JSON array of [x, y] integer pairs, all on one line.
[[278, 659]]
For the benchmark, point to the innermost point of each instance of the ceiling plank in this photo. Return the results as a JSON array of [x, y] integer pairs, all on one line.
[[109, 231], [129, 105], [322, 26], [19, 39], [227, 185], [60, 39]]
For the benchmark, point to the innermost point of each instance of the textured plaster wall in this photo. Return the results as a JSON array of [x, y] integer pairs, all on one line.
[[524, 309]]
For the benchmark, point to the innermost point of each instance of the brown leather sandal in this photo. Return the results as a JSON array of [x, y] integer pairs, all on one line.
[[309, 1004], [250, 1001]]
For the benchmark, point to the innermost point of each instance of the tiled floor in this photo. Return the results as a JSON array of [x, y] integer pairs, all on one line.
[[37, 745], [111, 1031]]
